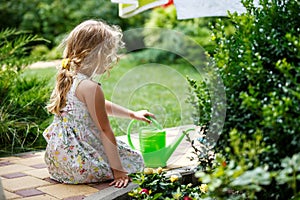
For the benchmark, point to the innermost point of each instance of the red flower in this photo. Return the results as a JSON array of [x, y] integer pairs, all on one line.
[[144, 191], [224, 164], [187, 198]]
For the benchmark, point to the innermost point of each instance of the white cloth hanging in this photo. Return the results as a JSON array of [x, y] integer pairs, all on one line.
[[187, 9]]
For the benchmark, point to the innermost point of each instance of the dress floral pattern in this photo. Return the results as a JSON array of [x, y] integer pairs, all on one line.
[[74, 153]]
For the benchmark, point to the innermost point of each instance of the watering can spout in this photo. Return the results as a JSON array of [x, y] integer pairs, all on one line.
[[172, 147]]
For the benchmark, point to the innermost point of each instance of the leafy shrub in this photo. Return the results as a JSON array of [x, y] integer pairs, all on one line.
[[165, 18], [199, 98], [290, 174], [246, 178], [22, 99], [40, 51], [15, 47], [239, 176], [53, 18], [44, 53], [259, 65]]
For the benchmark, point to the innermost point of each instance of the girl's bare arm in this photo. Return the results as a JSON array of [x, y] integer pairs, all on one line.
[[119, 111]]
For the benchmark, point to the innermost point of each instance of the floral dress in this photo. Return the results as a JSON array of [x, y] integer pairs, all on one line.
[[75, 153]]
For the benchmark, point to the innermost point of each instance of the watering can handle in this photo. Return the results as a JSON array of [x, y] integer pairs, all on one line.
[[153, 121], [156, 124]]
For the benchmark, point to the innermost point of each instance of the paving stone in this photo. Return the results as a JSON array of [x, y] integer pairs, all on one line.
[[28, 155], [37, 160], [5, 163], [14, 175], [22, 183], [38, 173], [180, 162], [62, 191], [9, 169], [29, 192], [75, 198], [1, 191], [48, 179], [9, 195], [41, 197], [112, 193], [39, 166], [10, 158], [40, 153], [100, 186]]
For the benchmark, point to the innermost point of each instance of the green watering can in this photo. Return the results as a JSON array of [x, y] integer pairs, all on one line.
[[153, 144]]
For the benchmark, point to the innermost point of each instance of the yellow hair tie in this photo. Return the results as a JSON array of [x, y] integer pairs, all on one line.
[[66, 62]]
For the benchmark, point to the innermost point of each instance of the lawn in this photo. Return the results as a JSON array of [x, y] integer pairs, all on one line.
[[161, 89]]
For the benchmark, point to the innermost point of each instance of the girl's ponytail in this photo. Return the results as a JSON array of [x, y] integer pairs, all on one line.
[[64, 80]]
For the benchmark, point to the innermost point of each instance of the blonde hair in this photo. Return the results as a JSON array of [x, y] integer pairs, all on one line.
[[90, 48]]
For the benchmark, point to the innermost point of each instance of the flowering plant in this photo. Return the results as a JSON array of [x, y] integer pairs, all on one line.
[[156, 184]]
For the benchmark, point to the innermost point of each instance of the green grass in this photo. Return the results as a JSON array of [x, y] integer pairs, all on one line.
[[23, 113], [161, 89]]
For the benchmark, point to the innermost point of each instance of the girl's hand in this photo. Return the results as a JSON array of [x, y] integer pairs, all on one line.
[[142, 115], [121, 179]]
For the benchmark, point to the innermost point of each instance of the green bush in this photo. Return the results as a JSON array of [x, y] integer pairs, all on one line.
[[40, 51], [44, 53], [22, 99], [197, 28], [166, 19], [259, 66], [53, 18], [199, 98], [241, 176]]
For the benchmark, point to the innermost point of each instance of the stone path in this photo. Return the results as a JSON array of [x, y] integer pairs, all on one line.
[[45, 64], [26, 177]]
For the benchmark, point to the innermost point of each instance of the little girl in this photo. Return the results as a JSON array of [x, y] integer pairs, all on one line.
[[81, 146]]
